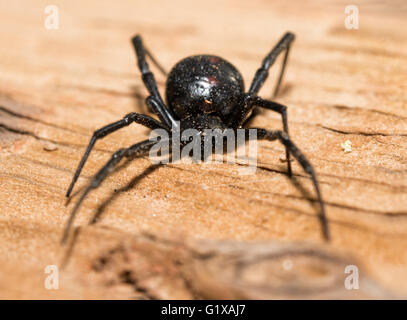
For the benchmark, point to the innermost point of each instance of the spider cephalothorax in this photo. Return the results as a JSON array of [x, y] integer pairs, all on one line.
[[202, 92]]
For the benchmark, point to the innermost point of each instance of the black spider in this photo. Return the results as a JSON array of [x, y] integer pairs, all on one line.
[[202, 92]]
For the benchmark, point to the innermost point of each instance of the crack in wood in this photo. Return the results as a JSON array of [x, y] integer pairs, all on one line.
[[362, 133], [22, 116]]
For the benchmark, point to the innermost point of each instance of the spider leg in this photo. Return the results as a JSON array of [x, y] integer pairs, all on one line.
[[306, 165], [102, 132], [262, 73], [155, 62], [281, 109], [165, 114], [250, 118], [133, 151]]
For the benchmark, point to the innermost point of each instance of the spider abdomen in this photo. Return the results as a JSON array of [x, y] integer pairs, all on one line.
[[203, 84]]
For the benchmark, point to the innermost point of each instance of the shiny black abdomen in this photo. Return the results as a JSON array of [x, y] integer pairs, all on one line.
[[203, 84]]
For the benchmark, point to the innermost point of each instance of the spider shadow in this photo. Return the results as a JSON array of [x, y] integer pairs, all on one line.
[[282, 169], [285, 89], [100, 210], [80, 189], [306, 194], [102, 207], [69, 251]]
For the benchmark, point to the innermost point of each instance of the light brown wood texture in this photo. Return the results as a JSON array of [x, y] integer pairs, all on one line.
[[203, 231]]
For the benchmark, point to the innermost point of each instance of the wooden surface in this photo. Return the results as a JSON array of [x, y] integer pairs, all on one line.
[[183, 231]]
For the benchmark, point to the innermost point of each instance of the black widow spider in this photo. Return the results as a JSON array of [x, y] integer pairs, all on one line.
[[203, 92]]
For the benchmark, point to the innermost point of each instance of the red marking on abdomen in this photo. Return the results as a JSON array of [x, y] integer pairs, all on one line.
[[212, 80], [213, 60]]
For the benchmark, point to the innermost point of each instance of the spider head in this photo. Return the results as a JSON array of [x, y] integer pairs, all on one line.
[[203, 84]]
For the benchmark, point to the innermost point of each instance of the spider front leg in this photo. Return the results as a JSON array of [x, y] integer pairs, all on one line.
[[306, 165], [166, 115], [133, 151], [98, 134], [247, 104], [281, 109], [262, 73]]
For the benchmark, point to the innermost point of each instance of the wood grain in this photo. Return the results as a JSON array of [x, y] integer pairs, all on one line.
[[156, 223]]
